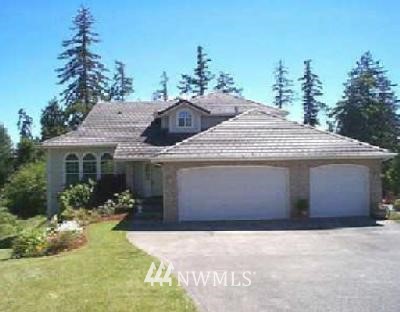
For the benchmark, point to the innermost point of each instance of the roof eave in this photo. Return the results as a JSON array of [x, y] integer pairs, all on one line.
[[159, 159]]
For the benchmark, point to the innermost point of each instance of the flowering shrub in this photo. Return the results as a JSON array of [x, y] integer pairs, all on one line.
[[82, 216], [69, 226], [77, 196], [30, 243], [121, 202]]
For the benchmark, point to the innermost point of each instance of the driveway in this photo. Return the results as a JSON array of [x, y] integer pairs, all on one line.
[[336, 269]]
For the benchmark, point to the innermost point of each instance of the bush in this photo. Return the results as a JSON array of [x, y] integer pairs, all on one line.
[[397, 205], [9, 228], [302, 207], [76, 196], [30, 243], [25, 193], [122, 202], [62, 241], [82, 216]]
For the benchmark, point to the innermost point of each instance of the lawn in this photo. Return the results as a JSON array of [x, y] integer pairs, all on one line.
[[105, 275]]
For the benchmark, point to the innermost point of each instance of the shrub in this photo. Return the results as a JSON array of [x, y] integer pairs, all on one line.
[[302, 207], [9, 227], [76, 196], [62, 241], [25, 193], [122, 202], [82, 216], [30, 243], [397, 204]]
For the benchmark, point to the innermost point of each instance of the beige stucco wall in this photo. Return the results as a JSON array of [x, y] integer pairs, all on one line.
[[299, 186], [55, 170]]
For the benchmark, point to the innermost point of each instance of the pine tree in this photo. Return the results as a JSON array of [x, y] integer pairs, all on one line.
[[202, 75], [122, 85], [162, 94], [52, 121], [185, 85], [24, 124], [198, 83], [282, 87], [226, 84], [83, 72], [367, 111], [312, 89], [6, 155]]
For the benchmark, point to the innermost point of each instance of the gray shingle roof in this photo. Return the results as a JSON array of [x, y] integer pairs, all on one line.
[[257, 134], [130, 126]]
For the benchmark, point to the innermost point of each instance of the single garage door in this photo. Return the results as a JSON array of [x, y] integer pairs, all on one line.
[[233, 193], [339, 191]]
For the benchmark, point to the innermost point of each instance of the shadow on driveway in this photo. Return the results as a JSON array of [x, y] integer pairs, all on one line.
[[130, 224]]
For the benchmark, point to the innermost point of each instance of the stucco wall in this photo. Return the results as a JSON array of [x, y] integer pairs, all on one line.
[[299, 186], [55, 171]]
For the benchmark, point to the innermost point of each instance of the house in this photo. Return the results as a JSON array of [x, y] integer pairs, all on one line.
[[219, 157]]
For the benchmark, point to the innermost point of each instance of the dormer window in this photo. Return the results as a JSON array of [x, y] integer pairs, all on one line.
[[184, 119]]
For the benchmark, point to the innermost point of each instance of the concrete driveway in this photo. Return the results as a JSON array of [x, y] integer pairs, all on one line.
[[340, 269]]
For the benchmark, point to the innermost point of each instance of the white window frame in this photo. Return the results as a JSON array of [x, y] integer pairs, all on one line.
[[189, 116], [100, 172], [65, 166], [97, 164]]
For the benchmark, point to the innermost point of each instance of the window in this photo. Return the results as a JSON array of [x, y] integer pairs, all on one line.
[[107, 165], [71, 169], [184, 119], [89, 167]]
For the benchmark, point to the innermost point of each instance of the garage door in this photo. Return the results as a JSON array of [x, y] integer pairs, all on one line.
[[339, 191], [233, 193]]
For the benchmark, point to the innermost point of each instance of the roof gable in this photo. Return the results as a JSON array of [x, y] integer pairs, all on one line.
[[182, 103], [257, 134]]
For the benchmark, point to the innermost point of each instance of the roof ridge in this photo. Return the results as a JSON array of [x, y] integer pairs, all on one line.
[[167, 149]]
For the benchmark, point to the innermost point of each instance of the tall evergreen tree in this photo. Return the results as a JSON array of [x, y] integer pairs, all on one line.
[[122, 85], [52, 121], [6, 155], [312, 89], [24, 124], [186, 85], [83, 72], [198, 83], [226, 84], [282, 86], [367, 110], [162, 93]]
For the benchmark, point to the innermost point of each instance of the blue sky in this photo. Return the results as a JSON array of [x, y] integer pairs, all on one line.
[[245, 38]]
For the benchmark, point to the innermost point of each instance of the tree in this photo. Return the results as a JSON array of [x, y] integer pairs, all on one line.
[[282, 87], [185, 85], [367, 110], [163, 92], [52, 121], [312, 89], [24, 124], [25, 193], [6, 155], [226, 84], [83, 72], [198, 83], [122, 85]]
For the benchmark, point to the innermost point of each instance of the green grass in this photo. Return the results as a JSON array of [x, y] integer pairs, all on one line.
[[394, 215], [105, 275]]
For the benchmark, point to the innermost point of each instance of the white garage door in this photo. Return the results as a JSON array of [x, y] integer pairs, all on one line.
[[233, 193], [339, 191]]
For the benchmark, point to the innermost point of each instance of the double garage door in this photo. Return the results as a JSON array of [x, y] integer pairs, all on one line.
[[262, 192]]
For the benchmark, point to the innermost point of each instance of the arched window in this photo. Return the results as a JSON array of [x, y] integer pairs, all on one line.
[[71, 169], [89, 167], [184, 119], [107, 165]]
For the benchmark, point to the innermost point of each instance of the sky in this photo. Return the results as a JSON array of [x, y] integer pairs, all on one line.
[[244, 38]]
